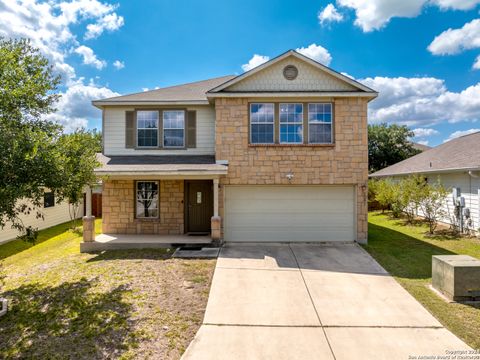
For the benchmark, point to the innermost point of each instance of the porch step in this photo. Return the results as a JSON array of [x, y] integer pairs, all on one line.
[[196, 253]]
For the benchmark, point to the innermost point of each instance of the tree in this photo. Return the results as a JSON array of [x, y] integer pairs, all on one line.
[[30, 160], [78, 162], [412, 192], [388, 144], [433, 198]]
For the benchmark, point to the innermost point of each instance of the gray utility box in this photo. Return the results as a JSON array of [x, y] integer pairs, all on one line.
[[456, 276]]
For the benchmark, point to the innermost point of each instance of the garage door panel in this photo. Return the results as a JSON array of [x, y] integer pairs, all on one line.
[[289, 213], [305, 206], [288, 220], [292, 236]]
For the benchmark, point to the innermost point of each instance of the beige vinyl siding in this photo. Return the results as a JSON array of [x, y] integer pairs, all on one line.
[[114, 133], [52, 216], [289, 213], [309, 79]]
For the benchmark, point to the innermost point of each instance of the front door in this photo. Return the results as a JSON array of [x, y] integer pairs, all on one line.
[[199, 205]]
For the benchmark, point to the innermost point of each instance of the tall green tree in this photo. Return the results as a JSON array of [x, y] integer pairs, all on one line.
[[30, 157], [388, 144], [78, 162]]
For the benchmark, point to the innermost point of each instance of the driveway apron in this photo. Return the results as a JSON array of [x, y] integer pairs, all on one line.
[[304, 301]]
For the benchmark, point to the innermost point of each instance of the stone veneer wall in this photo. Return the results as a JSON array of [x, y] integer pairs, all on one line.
[[344, 163], [118, 209]]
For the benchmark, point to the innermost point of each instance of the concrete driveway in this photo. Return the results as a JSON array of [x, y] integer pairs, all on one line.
[[303, 301]]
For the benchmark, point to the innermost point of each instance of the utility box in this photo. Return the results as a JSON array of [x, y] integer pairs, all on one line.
[[456, 276]]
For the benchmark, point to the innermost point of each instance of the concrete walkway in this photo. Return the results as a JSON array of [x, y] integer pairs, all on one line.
[[312, 302]]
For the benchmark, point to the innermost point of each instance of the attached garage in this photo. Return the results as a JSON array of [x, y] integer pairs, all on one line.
[[289, 213]]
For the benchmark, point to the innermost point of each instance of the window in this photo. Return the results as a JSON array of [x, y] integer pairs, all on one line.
[[48, 199], [291, 123], [174, 128], [320, 123], [261, 123], [147, 128], [147, 199]]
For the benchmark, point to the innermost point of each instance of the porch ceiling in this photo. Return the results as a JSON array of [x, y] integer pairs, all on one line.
[[168, 167]]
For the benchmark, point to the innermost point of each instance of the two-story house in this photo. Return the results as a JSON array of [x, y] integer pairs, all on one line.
[[276, 154]]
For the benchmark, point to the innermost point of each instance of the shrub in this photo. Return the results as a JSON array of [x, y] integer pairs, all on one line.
[[432, 199]]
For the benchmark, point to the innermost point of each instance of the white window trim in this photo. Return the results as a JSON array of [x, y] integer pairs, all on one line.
[[157, 128], [164, 128], [269, 123], [321, 122], [289, 123], [158, 200]]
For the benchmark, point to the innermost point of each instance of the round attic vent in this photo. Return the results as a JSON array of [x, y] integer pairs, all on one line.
[[290, 72]]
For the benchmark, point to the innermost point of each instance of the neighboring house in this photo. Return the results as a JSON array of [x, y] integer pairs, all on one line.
[[456, 164], [278, 153], [53, 214], [420, 147]]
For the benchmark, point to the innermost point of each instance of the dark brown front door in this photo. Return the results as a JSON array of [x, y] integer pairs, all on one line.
[[199, 205]]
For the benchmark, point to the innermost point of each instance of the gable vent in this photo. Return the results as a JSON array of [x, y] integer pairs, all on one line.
[[290, 72]]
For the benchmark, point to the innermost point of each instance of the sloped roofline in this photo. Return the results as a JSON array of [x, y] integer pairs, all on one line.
[[299, 56]]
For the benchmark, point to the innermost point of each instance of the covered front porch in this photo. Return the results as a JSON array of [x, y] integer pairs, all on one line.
[[148, 203], [143, 241]]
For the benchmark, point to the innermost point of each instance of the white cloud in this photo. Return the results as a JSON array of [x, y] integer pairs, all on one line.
[[459, 133], [75, 108], [89, 57], [454, 41], [329, 14], [456, 4], [110, 22], [118, 64], [422, 142], [374, 14], [424, 132], [49, 26], [317, 53], [476, 64], [255, 61], [421, 102]]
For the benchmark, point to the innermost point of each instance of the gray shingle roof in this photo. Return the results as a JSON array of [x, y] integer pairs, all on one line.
[[462, 153], [157, 164], [195, 91]]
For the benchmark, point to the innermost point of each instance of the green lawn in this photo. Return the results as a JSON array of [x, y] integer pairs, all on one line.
[[118, 304], [406, 252]]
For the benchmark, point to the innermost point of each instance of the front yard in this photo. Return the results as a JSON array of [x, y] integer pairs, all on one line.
[[120, 304], [406, 252]]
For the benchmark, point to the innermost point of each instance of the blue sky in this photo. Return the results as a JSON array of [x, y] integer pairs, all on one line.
[[425, 74]]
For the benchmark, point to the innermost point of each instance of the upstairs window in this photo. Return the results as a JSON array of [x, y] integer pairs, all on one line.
[[147, 128], [174, 128], [48, 199], [262, 123], [147, 199], [320, 123], [291, 123]]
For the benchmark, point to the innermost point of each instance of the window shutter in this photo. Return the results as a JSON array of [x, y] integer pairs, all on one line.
[[191, 129], [129, 129]]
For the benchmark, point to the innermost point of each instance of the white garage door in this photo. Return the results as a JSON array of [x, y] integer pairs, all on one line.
[[289, 213]]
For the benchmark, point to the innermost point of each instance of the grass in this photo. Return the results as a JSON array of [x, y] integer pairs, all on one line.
[[405, 251], [116, 304]]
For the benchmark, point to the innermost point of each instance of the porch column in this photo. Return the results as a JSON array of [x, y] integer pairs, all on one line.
[[215, 197], [216, 220], [88, 219]]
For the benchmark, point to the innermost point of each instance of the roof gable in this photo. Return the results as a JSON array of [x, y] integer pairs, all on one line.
[[312, 77]]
